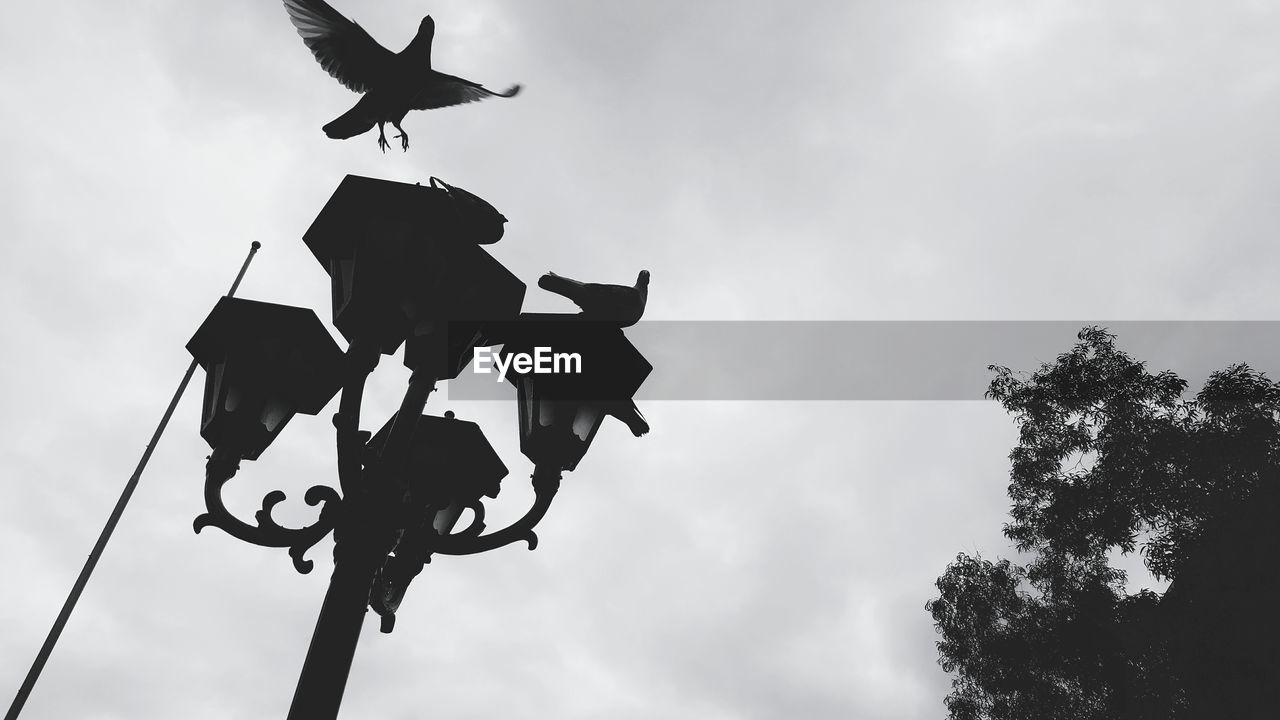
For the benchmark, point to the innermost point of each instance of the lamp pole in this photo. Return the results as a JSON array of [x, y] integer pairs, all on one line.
[[356, 558], [55, 632], [362, 540]]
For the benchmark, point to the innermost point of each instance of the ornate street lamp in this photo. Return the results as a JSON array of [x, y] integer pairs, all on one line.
[[448, 467], [406, 267], [263, 363], [404, 263], [561, 412]]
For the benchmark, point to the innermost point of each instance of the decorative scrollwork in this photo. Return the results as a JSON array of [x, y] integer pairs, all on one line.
[[469, 541], [222, 466], [477, 521]]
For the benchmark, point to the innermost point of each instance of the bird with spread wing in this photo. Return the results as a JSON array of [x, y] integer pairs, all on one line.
[[392, 83]]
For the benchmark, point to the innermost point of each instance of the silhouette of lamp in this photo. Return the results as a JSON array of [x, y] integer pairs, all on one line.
[[405, 263], [559, 413], [263, 363], [448, 467], [405, 268]]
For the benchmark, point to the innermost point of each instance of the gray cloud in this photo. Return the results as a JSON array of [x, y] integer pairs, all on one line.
[[987, 160]]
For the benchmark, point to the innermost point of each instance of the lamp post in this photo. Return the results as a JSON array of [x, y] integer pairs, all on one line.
[[449, 467], [406, 268], [263, 363], [561, 413]]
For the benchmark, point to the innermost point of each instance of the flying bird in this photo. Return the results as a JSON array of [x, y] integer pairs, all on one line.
[[614, 304], [392, 83]]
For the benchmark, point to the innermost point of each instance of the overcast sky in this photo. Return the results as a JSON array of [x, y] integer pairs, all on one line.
[[970, 160]]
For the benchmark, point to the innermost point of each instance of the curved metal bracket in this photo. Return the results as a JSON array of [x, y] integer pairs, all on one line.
[[222, 467], [476, 526], [469, 541]]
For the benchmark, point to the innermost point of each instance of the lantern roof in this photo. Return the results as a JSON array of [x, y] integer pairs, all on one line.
[[451, 455], [295, 350], [356, 203], [610, 368], [414, 262]]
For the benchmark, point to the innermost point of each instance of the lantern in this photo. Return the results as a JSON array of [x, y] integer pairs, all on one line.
[[448, 462], [448, 467], [263, 363], [403, 265], [562, 404]]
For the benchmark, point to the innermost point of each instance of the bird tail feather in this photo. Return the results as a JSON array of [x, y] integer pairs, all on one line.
[[559, 285], [349, 124]]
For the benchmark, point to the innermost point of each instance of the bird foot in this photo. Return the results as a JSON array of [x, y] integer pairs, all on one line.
[[382, 143], [404, 140]]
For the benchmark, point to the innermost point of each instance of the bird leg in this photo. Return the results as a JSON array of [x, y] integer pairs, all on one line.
[[404, 136], [382, 139]]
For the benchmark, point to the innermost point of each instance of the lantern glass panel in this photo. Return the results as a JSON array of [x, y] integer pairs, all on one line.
[[585, 419], [342, 270], [525, 408], [546, 411], [235, 394], [275, 412], [445, 520], [212, 388]]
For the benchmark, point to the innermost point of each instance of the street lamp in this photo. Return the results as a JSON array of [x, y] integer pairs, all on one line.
[[404, 263], [263, 363], [448, 468], [561, 413], [405, 267]]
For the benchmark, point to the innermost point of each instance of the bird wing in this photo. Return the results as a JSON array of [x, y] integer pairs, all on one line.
[[445, 90], [342, 47]]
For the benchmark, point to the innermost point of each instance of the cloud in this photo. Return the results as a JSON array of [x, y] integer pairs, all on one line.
[[983, 160]]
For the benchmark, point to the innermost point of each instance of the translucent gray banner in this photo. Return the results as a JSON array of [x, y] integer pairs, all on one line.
[[908, 360]]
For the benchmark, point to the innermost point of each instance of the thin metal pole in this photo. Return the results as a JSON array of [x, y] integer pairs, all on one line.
[[34, 673]]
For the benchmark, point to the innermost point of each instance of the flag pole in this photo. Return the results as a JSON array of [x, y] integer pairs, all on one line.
[[45, 650]]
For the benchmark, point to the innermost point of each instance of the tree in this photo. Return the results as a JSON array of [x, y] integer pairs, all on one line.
[[1111, 456]]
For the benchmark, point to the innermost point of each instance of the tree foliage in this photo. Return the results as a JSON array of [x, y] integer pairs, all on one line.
[[1109, 456]]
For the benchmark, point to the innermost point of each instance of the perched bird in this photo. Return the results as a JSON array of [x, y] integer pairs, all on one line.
[[605, 303], [392, 83], [480, 221], [627, 412]]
